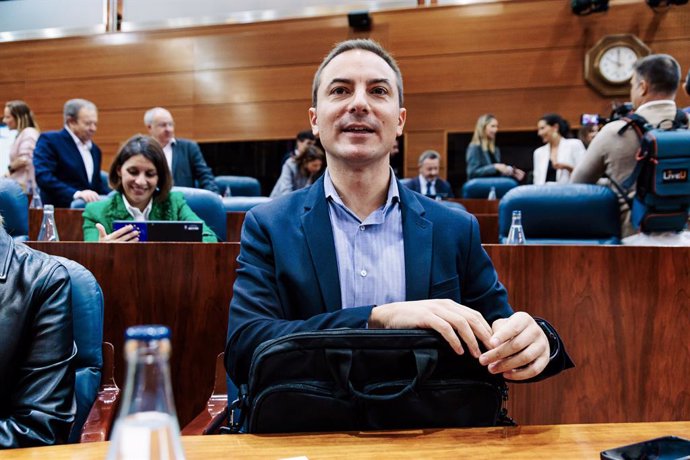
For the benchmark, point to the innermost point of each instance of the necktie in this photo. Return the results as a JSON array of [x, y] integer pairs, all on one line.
[[429, 184]]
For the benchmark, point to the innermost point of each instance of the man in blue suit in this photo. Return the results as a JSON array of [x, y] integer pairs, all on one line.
[[68, 162], [428, 183], [357, 250], [186, 163]]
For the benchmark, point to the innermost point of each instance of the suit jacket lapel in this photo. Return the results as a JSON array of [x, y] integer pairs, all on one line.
[[316, 225], [418, 242], [175, 156]]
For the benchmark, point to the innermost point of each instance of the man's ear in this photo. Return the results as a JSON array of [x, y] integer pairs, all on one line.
[[401, 121], [644, 87], [313, 121]]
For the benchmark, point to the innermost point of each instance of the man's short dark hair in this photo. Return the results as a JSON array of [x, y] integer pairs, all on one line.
[[358, 44], [428, 155], [304, 135], [660, 71], [686, 86]]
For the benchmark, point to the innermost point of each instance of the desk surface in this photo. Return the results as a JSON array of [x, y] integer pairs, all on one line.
[[525, 442]]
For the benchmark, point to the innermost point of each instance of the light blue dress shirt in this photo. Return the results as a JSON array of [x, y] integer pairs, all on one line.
[[370, 253]]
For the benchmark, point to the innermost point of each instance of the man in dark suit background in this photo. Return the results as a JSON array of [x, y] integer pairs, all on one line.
[[68, 162], [428, 183], [357, 250], [184, 157]]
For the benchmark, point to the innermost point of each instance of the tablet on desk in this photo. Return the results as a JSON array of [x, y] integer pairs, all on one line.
[[165, 230]]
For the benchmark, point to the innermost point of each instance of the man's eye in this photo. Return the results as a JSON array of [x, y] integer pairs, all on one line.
[[339, 90], [380, 90]]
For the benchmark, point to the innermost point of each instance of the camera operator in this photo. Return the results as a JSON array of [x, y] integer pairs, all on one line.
[[653, 89]]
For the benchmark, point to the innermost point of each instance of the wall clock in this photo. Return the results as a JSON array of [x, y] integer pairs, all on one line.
[[609, 63]]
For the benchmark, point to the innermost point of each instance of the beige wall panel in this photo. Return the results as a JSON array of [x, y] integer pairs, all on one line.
[[417, 142], [110, 55], [253, 85], [144, 91], [119, 125]]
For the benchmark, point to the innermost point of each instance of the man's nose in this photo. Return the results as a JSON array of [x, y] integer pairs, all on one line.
[[359, 101]]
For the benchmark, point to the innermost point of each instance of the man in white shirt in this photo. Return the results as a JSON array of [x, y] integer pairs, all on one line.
[[68, 162], [186, 163], [653, 90]]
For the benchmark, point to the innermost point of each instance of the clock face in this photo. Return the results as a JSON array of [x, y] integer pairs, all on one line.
[[616, 63]]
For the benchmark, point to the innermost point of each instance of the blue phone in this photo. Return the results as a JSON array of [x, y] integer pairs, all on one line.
[[141, 226]]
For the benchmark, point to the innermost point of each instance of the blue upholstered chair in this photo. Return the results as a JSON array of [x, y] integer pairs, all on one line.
[[208, 206], [562, 214], [239, 185], [481, 186], [87, 316], [14, 208], [243, 203]]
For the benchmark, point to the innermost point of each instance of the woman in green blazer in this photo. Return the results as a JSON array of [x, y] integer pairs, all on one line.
[[142, 179]]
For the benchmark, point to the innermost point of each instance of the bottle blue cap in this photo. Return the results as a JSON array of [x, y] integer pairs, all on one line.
[[147, 332]]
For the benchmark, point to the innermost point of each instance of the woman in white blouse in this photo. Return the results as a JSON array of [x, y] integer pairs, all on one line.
[[556, 159]]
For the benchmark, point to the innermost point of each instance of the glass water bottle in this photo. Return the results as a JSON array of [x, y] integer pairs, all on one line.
[[48, 231], [516, 234], [147, 427]]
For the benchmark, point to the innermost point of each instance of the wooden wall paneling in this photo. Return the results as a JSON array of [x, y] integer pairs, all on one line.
[[68, 222], [417, 142], [618, 310], [116, 93], [110, 55], [135, 293], [13, 66], [13, 90]]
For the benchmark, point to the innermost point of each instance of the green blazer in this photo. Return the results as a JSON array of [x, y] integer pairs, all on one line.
[[113, 208]]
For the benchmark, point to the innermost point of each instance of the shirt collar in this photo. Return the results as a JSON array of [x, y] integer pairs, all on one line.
[[657, 102], [332, 193], [135, 212], [172, 142], [78, 141]]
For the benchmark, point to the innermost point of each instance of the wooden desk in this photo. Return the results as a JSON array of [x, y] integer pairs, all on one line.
[[186, 286], [68, 221], [621, 311], [477, 205], [518, 443]]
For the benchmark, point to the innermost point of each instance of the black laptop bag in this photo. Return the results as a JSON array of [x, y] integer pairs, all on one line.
[[359, 379]]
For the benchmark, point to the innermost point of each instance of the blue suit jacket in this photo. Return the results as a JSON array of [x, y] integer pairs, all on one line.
[[287, 280], [442, 187], [188, 165], [60, 170]]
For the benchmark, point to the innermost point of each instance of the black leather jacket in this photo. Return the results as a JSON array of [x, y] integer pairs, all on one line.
[[36, 348]]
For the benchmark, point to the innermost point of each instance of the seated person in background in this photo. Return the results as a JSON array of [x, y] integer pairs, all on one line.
[[428, 182], [483, 156], [142, 181], [183, 156], [686, 88], [68, 162], [358, 250], [305, 139], [587, 132], [19, 116], [37, 405], [299, 172], [653, 90], [556, 159]]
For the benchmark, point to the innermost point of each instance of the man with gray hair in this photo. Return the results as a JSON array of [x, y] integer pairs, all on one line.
[[427, 182], [68, 162], [186, 163], [653, 88]]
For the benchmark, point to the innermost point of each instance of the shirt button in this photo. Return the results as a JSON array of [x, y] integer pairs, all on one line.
[[363, 273], [361, 228]]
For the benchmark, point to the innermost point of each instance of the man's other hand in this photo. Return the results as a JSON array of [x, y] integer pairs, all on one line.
[[519, 348], [87, 195], [452, 320]]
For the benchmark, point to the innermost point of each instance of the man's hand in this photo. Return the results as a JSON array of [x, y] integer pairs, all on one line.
[[518, 174], [519, 348], [87, 195], [126, 234], [452, 320]]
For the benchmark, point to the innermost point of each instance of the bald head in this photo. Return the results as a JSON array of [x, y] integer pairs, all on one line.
[[160, 125]]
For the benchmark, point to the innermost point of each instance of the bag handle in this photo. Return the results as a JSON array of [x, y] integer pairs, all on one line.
[[340, 363]]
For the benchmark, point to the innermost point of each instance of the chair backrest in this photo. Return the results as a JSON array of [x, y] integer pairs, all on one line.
[[239, 185], [243, 203], [562, 214], [481, 186], [87, 316], [14, 208], [208, 206]]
